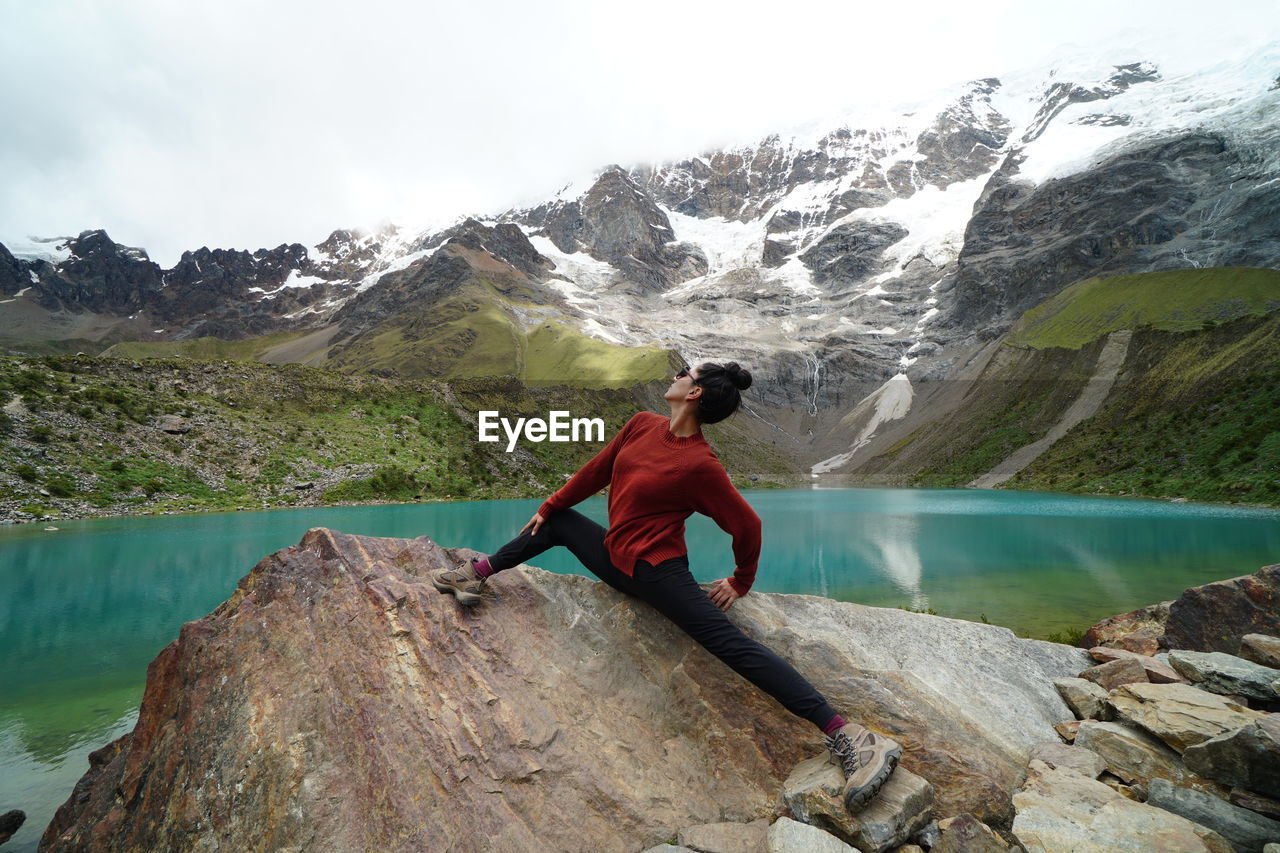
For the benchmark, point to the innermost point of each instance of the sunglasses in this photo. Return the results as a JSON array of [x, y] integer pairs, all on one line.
[[684, 371]]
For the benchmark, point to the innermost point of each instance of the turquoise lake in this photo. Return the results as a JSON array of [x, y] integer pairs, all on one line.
[[83, 610]]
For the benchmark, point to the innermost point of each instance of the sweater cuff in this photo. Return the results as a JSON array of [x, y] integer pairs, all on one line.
[[739, 587], [548, 509]]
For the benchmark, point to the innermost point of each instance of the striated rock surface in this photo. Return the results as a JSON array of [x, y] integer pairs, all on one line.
[[337, 702], [1060, 810], [1248, 757], [1136, 757], [1178, 714], [1226, 674], [1247, 831]]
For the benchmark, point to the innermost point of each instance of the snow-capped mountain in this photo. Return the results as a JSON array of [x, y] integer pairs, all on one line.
[[846, 263]]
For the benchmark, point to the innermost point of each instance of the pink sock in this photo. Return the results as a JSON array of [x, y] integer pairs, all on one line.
[[482, 567], [836, 722]]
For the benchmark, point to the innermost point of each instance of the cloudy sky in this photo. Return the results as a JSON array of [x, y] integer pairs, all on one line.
[[247, 124]]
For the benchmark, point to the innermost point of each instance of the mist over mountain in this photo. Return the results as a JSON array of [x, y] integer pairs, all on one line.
[[848, 264]]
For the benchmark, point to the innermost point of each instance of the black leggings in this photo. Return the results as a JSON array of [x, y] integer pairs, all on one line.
[[671, 590]]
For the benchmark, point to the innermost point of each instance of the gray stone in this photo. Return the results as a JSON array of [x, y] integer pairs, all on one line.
[[929, 836], [789, 836], [1086, 698], [1261, 648], [1137, 757], [1178, 714], [812, 794], [901, 809], [669, 848], [1273, 847], [1246, 830], [1226, 674], [727, 837], [1077, 758], [1248, 757], [1059, 810]]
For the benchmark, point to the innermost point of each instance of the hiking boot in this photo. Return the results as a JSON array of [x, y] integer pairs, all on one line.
[[462, 581], [867, 759]]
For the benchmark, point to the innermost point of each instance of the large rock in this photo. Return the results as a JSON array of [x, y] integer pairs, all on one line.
[[901, 808], [1056, 754], [1260, 648], [1158, 672], [727, 837], [1138, 631], [1216, 617], [1178, 714], [789, 836], [336, 701], [1226, 674], [1244, 829], [1112, 674], [1087, 699], [1248, 757], [1060, 810], [1136, 757]]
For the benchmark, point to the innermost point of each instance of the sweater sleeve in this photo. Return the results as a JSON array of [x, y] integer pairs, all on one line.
[[716, 498], [593, 476]]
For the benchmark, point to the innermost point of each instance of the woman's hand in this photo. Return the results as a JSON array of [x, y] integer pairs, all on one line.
[[723, 594], [536, 522]]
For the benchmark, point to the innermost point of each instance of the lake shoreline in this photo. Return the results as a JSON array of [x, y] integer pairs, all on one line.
[[14, 518]]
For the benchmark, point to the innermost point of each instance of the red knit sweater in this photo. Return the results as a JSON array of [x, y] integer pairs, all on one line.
[[660, 479]]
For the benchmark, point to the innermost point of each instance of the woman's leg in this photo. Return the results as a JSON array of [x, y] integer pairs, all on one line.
[[671, 589], [583, 537]]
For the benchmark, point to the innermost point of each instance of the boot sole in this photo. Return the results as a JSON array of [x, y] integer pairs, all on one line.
[[858, 798], [466, 599]]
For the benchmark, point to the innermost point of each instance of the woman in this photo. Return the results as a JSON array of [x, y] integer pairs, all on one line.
[[662, 471]]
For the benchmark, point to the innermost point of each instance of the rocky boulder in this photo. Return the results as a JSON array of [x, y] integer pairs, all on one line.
[[1059, 810], [337, 702], [1216, 617], [1248, 756], [1229, 675], [1260, 648]]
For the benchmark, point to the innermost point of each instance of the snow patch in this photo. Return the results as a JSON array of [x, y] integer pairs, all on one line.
[[51, 249], [890, 402]]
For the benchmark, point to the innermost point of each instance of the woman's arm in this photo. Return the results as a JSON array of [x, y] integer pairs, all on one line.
[[593, 476], [715, 497]]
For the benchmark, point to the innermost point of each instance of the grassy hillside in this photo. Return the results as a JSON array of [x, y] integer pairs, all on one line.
[[1197, 417], [85, 436], [1175, 300], [204, 348], [1195, 411], [476, 331]]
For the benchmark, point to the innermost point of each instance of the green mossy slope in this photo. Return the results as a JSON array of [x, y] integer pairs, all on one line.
[[1174, 300], [1194, 413]]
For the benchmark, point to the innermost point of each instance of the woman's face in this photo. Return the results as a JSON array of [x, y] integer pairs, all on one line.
[[681, 384]]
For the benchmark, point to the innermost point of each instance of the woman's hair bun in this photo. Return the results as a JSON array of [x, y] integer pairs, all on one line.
[[739, 376]]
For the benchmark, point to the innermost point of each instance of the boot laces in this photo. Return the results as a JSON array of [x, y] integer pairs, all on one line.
[[851, 758]]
